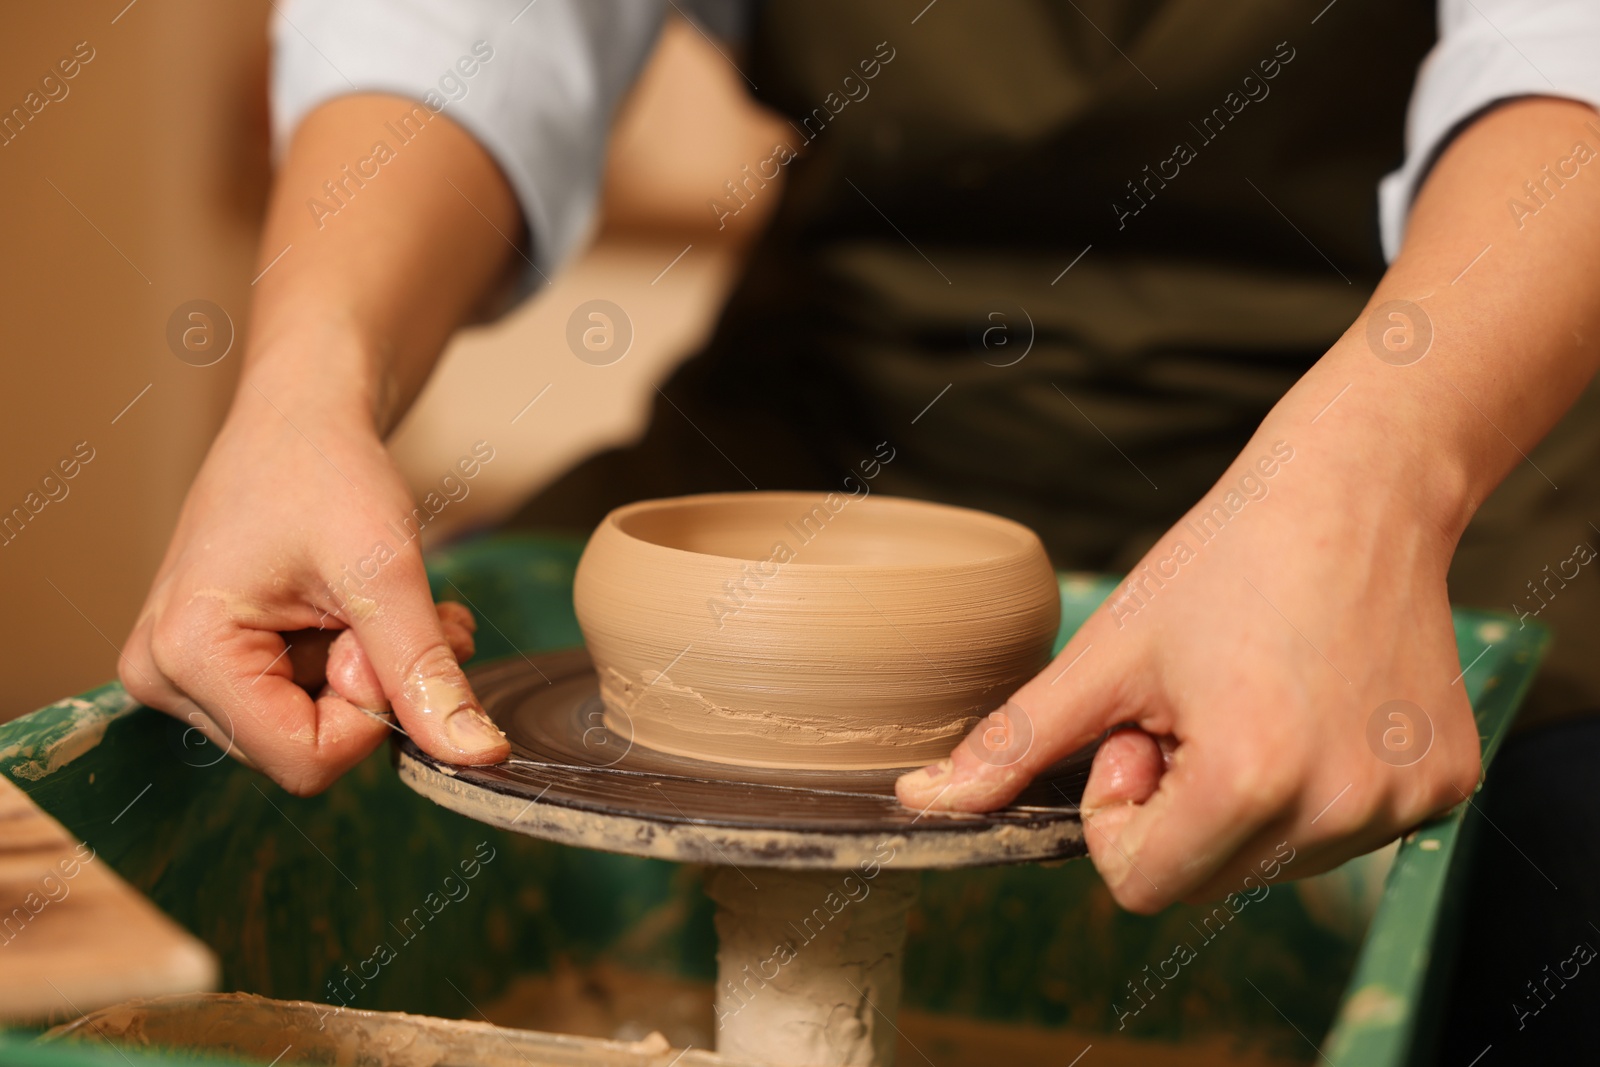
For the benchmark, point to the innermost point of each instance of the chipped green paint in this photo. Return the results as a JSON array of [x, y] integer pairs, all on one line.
[[296, 895], [54, 736]]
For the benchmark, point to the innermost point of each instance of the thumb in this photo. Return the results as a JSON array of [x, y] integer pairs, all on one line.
[[1065, 707], [399, 629]]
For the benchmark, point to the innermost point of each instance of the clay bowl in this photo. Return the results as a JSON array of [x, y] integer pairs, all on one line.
[[811, 630]]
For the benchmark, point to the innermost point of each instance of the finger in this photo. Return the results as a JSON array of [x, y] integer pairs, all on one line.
[[145, 682], [351, 676], [241, 678], [1127, 770], [1360, 800], [1090, 687], [1204, 809], [208, 742], [1361, 807], [1279, 854], [143, 678], [458, 614], [333, 707], [350, 672], [400, 632], [458, 630]]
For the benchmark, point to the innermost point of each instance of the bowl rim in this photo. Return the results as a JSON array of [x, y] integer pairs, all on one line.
[[1027, 542]]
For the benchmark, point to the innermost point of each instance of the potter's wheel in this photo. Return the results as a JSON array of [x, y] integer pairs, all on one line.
[[573, 780]]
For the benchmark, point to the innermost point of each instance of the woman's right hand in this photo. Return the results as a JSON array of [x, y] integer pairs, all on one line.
[[293, 539]]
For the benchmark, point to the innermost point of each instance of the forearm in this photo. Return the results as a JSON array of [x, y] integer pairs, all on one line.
[[1513, 303], [1271, 654], [380, 269]]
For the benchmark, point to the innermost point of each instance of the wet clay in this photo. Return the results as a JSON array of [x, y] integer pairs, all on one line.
[[808, 963], [810, 630]]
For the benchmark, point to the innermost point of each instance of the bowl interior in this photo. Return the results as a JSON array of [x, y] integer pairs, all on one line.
[[868, 532]]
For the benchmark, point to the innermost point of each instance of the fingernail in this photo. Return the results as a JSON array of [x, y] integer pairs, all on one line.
[[1088, 810], [449, 697], [440, 694], [938, 772], [472, 730]]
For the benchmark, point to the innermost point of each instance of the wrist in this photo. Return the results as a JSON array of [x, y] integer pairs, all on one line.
[[318, 375], [1370, 429]]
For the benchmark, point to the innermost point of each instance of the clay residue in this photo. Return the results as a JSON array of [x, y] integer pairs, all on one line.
[[659, 714], [808, 963]]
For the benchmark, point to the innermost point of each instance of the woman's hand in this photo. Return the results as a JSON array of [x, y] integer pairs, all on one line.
[[1293, 677], [293, 563], [1259, 650]]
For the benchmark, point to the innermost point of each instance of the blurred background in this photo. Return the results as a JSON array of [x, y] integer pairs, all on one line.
[[143, 188]]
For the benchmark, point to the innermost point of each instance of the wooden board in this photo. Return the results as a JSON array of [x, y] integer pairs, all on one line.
[[73, 936]]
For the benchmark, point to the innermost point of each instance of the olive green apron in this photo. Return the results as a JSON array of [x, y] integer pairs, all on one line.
[[1062, 258]]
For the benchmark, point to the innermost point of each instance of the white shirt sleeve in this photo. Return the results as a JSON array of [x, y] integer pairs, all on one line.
[[1489, 51], [545, 79]]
